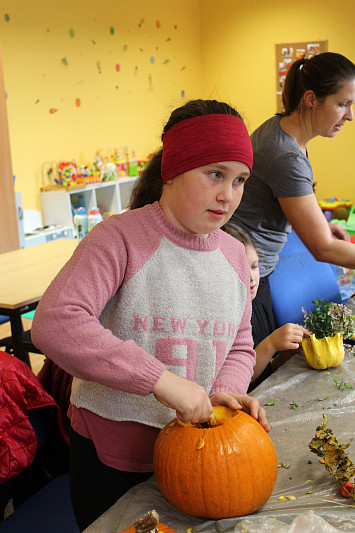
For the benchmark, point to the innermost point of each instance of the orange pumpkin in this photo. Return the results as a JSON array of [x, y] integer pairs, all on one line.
[[216, 472]]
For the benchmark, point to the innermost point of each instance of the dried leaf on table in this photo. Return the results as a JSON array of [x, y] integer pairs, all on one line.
[[336, 460]]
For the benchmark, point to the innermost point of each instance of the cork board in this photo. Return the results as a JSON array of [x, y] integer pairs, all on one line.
[[286, 54]]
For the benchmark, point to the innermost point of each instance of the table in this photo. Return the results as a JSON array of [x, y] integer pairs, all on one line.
[[24, 276], [315, 393]]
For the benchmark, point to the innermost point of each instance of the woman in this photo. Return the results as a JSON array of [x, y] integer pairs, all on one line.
[[318, 97]]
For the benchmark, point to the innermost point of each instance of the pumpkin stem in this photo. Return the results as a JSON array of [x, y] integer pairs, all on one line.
[[149, 523]]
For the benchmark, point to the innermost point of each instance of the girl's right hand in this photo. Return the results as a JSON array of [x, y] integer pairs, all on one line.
[[288, 337], [189, 399]]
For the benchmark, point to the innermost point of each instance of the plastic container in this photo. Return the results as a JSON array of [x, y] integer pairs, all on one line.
[[81, 223], [94, 217]]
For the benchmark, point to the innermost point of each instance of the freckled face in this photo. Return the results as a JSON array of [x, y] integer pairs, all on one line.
[[201, 200], [253, 261], [331, 114]]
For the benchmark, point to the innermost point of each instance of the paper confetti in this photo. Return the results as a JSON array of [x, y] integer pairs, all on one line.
[[53, 110], [112, 30], [152, 60], [78, 102], [71, 33], [7, 17], [117, 68], [157, 24]]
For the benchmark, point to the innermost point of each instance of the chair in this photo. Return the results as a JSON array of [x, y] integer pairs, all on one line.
[[35, 497], [7, 342], [47, 511], [297, 280]]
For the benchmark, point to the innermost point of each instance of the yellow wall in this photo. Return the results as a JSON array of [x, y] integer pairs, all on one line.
[[238, 52], [45, 67], [206, 48]]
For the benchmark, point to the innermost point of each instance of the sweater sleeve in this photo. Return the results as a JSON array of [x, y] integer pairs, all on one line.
[[66, 325]]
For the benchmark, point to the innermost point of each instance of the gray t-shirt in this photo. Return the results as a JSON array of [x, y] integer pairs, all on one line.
[[280, 169]]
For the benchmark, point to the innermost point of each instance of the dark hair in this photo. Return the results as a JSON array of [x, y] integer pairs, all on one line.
[[239, 233], [324, 74], [149, 186]]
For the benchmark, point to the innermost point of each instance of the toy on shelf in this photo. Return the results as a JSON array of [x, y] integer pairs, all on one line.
[[329, 204], [108, 170], [49, 175], [59, 175], [88, 176], [120, 163], [348, 224], [68, 173]]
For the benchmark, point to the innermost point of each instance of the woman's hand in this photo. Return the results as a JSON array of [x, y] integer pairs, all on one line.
[[189, 399], [339, 232], [242, 402]]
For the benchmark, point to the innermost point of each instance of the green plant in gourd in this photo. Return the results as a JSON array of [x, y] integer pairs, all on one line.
[[329, 319]]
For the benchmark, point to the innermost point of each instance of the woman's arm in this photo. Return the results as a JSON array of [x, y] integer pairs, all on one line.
[[307, 219]]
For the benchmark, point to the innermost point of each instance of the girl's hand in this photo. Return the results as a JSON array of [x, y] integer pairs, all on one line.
[[189, 399], [242, 402], [288, 337]]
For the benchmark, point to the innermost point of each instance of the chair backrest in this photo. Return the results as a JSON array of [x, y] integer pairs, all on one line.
[[297, 280], [49, 510], [38, 494]]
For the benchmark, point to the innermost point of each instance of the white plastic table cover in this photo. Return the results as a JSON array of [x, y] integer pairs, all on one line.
[[314, 392]]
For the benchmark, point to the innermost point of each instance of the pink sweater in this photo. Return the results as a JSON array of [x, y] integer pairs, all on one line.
[[137, 297]]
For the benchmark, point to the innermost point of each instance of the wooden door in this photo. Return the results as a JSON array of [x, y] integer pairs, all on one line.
[[9, 238]]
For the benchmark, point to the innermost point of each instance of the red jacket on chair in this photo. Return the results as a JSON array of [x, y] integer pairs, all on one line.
[[20, 391]]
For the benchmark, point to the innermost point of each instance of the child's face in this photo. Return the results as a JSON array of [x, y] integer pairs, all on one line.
[[201, 200], [253, 261]]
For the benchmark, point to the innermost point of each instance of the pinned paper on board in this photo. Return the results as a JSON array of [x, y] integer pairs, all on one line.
[[286, 54]]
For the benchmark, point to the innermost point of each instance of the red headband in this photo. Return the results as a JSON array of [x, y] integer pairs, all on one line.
[[202, 140]]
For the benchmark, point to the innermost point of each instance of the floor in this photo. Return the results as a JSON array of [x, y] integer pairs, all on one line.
[[36, 359]]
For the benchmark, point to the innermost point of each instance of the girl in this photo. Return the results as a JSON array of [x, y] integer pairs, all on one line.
[[318, 97], [151, 315], [287, 337]]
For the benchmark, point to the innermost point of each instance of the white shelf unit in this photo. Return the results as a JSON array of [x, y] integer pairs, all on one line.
[[111, 196]]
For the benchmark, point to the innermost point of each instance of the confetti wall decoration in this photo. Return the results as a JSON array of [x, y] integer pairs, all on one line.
[[71, 50], [71, 53]]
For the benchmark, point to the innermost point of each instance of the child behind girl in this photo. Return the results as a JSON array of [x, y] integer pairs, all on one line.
[[151, 315], [288, 336]]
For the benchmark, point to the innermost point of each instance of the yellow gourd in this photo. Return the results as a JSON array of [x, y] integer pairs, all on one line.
[[324, 353]]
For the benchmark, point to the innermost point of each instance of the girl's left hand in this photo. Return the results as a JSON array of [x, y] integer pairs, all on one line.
[[242, 402]]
